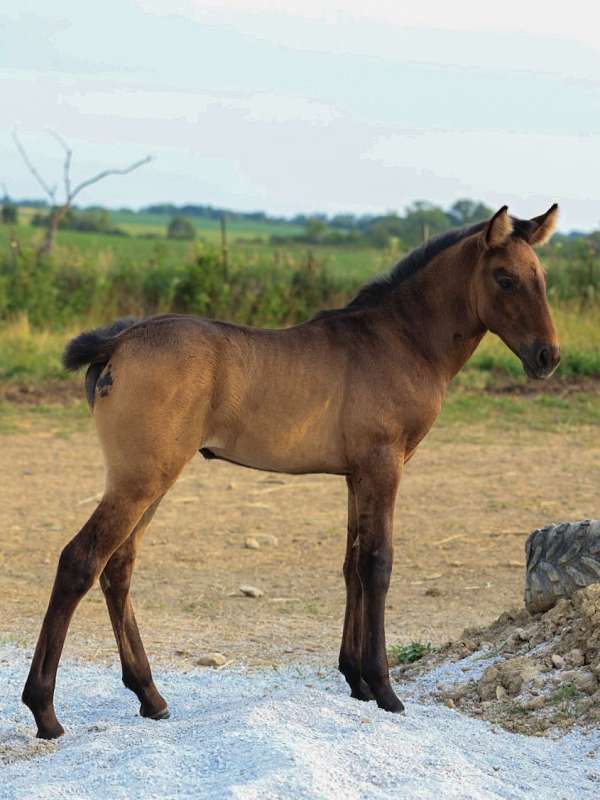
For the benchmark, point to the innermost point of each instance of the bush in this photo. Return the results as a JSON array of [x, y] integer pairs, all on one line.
[[69, 286], [181, 228], [10, 214]]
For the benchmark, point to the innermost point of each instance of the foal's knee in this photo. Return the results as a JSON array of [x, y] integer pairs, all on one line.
[[76, 571]]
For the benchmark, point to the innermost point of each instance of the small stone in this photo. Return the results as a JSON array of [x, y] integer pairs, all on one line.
[[558, 662], [450, 702], [488, 683], [251, 543], [458, 691], [585, 682], [521, 635], [536, 703], [212, 660], [500, 693], [251, 591], [575, 658], [432, 592], [230, 486]]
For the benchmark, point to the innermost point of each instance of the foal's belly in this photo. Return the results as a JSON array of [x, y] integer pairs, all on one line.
[[295, 453]]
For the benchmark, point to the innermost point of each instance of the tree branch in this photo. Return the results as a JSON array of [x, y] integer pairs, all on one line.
[[105, 173], [51, 192], [67, 164]]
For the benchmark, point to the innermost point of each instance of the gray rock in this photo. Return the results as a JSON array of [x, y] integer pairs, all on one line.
[[575, 658], [585, 682]]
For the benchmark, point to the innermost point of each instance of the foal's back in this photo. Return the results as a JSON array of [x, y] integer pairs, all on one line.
[[292, 400]]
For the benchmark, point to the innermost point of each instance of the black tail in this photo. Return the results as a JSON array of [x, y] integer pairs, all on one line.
[[94, 347]]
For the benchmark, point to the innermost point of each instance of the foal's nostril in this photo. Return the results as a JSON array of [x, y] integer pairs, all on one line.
[[543, 357]]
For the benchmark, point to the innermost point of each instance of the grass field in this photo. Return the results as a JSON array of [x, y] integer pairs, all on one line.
[[248, 245], [27, 353], [142, 223], [140, 275]]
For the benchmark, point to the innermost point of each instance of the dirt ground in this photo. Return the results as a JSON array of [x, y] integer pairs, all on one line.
[[468, 500]]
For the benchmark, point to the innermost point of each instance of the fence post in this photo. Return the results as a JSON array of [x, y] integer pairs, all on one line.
[[224, 252]]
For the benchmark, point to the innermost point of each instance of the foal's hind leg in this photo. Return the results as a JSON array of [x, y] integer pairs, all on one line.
[[350, 651], [115, 582], [79, 565]]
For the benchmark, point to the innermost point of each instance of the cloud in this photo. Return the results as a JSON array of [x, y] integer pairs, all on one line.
[[192, 106], [575, 20]]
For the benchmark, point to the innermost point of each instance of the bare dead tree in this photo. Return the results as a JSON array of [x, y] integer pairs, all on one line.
[[59, 208]]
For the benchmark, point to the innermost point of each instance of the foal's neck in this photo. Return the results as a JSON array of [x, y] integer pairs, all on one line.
[[435, 310]]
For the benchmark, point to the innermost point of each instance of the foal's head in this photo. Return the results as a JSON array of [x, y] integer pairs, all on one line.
[[510, 289]]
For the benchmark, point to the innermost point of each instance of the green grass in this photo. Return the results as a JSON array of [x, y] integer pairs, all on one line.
[[563, 694], [140, 223], [579, 335], [407, 653], [247, 248], [543, 412], [473, 416], [31, 355]]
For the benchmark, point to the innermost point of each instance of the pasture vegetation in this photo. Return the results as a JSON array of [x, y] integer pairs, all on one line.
[[407, 653], [277, 273]]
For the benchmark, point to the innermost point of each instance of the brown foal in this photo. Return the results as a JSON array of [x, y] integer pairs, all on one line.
[[350, 392]]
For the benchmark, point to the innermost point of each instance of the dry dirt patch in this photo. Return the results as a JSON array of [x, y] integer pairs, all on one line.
[[466, 505]]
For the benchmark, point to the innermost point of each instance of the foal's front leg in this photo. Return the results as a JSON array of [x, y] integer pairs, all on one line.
[[350, 651], [376, 484]]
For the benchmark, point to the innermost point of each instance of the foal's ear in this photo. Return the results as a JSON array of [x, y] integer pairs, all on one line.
[[543, 227], [498, 229]]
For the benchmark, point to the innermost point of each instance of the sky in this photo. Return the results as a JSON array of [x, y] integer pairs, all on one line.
[[301, 106]]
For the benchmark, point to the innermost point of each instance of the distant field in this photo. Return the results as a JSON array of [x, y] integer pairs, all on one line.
[[248, 245], [140, 224]]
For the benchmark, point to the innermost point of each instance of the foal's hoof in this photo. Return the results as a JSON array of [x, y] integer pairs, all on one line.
[[50, 731], [362, 692], [163, 713], [389, 702]]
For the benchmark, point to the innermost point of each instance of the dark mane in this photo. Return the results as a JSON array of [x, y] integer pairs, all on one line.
[[375, 291]]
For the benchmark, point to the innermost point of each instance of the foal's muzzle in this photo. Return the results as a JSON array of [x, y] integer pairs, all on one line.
[[539, 359]]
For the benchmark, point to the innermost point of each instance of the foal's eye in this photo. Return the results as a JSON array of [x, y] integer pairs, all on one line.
[[504, 282]]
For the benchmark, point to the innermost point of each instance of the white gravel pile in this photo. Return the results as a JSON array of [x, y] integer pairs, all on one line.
[[292, 733]]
